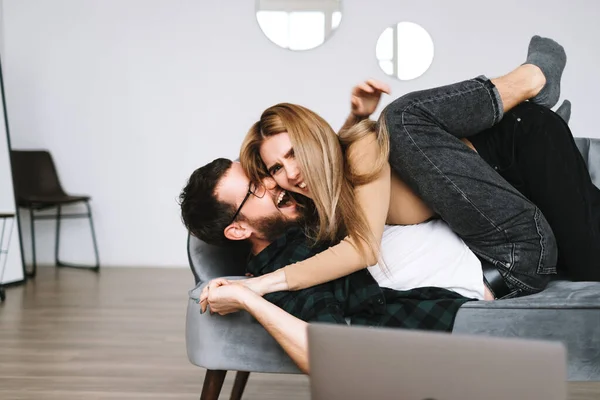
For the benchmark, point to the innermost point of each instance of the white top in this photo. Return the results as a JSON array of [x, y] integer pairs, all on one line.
[[428, 254]]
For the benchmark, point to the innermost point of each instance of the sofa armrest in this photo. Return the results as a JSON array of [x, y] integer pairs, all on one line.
[[194, 294], [234, 342]]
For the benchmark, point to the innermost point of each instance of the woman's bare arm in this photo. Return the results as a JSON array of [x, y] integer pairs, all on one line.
[[345, 258]]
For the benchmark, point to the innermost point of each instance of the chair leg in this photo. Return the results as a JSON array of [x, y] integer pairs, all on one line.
[[32, 224], [96, 266], [57, 236], [241, 378], [93, 235], [213, 383]]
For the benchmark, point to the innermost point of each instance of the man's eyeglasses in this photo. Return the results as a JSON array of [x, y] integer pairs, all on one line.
[[253, 189]]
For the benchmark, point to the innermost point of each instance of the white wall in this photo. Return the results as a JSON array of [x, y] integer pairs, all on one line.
[[131, 96]]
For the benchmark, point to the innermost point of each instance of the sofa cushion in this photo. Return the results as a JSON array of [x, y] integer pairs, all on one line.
[[568, 312], [558, 295]]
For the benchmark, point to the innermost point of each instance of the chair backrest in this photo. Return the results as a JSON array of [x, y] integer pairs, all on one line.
[[590, 150], [208, 262], [35, 174]]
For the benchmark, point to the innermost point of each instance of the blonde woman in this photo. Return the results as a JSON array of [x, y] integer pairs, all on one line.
[[425, 248], [413, 166]]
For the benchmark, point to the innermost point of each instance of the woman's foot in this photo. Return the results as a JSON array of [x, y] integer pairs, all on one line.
[[550, 58]]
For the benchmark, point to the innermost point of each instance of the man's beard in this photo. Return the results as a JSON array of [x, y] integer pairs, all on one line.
[[272, 227]]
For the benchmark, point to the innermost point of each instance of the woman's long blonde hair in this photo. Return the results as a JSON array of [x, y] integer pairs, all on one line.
[[321, 156]]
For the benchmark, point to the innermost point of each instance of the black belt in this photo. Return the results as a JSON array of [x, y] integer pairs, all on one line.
[[494, 280]]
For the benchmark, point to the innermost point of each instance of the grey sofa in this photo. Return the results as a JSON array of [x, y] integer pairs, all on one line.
[[566, 311]]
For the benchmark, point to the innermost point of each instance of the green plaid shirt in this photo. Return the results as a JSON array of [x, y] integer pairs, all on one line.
[[356, 297]]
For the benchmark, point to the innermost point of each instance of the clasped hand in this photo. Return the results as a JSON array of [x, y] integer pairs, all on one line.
[[225, 296]]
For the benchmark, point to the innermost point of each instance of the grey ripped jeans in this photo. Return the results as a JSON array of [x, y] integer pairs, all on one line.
[[500, 225]]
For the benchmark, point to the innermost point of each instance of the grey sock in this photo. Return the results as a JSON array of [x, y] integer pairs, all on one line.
[[551, 58], [564, 111]]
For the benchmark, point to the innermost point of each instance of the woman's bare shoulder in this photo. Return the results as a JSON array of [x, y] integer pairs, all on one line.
[[406, 207]]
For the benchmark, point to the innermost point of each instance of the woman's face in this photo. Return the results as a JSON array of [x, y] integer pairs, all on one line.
[[278, 155]]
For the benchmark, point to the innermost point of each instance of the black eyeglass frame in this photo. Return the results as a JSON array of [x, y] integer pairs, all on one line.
[[253, 190]]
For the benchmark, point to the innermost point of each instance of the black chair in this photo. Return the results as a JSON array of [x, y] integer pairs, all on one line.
[[38, 188]]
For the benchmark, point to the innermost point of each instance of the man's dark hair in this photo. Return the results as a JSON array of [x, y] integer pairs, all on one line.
[[202, 213]]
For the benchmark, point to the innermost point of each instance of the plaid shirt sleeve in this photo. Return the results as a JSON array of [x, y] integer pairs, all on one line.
[[315, 304]]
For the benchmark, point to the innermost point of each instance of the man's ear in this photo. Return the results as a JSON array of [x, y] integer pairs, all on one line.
[[237, 231]]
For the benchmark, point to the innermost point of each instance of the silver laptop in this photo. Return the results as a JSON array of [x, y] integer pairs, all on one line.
[[362, 363]]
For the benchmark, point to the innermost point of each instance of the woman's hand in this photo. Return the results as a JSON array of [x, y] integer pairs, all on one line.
[[257, 285], [225, 297], [272, 282], [228, 298], [269, 283], [366, 96], [214, 284]]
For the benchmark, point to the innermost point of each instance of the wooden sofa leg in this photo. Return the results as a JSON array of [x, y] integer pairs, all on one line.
[[213, 383], [241, 378]]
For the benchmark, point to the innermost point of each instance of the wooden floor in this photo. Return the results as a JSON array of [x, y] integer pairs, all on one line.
[[72, 334]]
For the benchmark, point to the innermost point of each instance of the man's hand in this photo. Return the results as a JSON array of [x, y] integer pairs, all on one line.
[[228, 298], [214, 284], [366, 96], [254, 284], [269, 283]]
